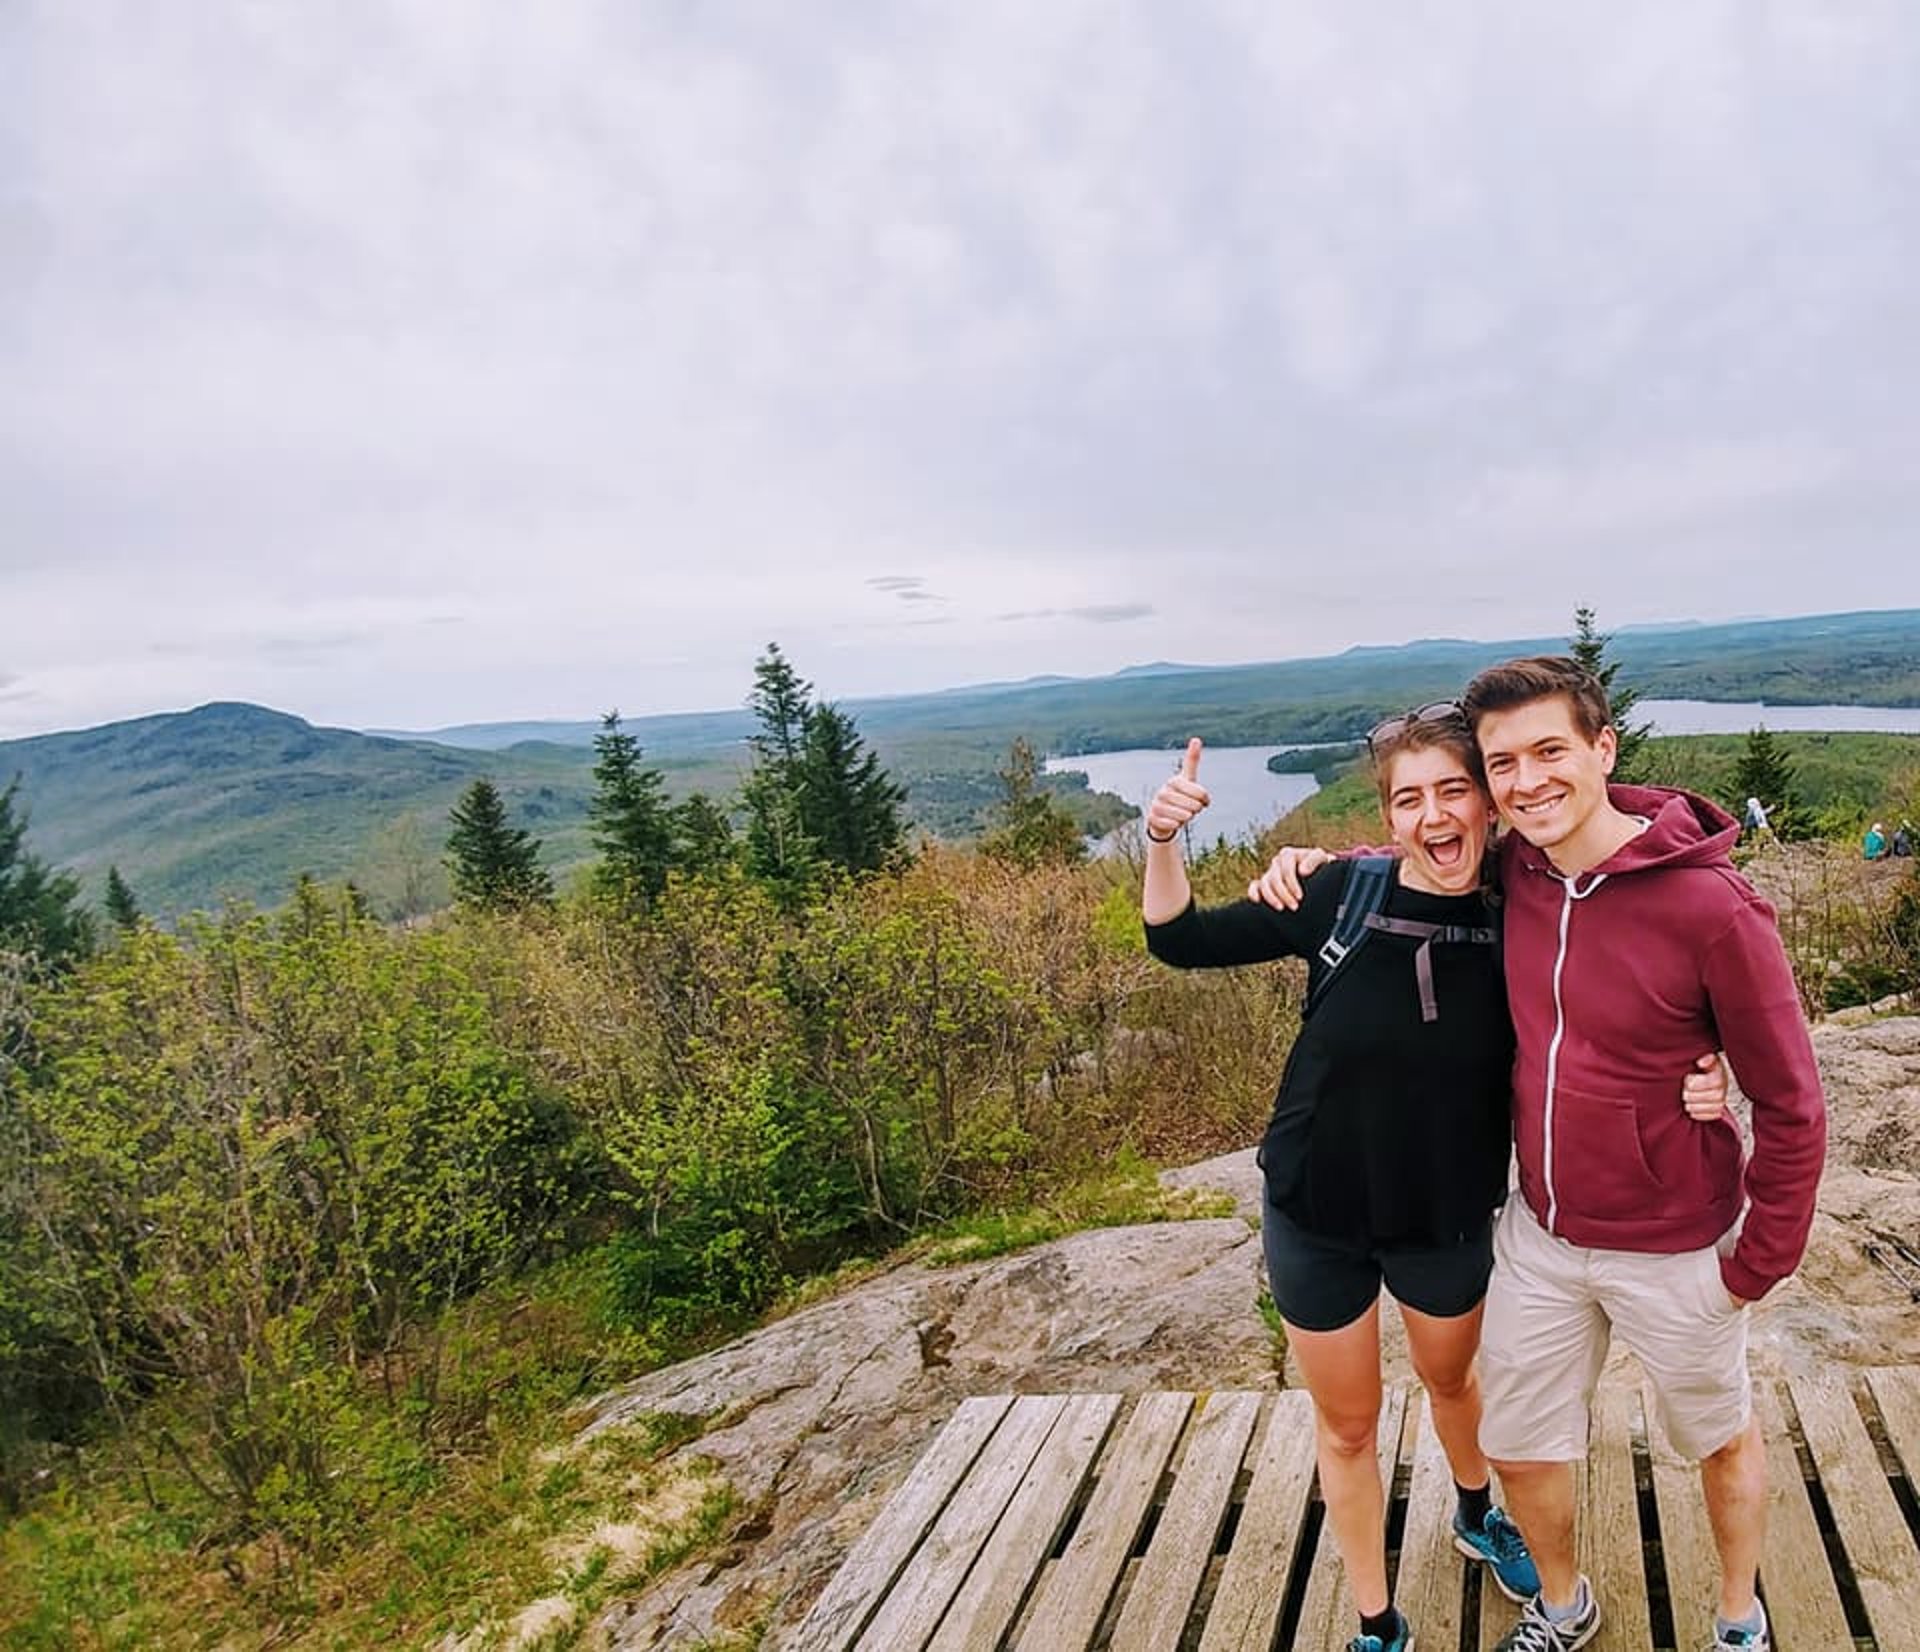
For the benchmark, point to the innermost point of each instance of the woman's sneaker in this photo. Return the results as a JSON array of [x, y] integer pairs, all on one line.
[[1536, 1632], [1402, 1640], [1498, 1542]]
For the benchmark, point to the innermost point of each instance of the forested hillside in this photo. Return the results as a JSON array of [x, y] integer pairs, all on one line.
[[231, 800]]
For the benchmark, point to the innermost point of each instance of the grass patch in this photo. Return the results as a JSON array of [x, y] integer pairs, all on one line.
[[1126, 1194]]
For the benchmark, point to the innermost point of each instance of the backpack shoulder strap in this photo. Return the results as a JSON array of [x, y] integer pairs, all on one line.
[[1369, 883]]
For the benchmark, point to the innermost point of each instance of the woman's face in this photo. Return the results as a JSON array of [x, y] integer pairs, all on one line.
[[1440, 817]]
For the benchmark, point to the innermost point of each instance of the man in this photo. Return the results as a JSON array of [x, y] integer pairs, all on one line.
[[1629, 942]]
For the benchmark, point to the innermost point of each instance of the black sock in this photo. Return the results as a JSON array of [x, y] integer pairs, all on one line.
[[1474, 1504], [1383, 1624]]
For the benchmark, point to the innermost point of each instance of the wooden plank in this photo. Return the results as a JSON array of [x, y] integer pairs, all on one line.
[[876, 1559], [929, 1581], [1803, 1602], [1162, 1592], [1896, 1391], [1328, 1616], [1430, 1585], [1497, 1616], [1609, 1527], [978, 1620], [1245, 1615], [1871, 1527], [1691, 1562], [1073, 1594]]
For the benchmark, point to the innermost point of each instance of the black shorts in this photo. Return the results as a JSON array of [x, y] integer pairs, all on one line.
[[1322, 1284]]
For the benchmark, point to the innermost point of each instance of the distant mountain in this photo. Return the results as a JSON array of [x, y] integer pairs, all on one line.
[[238, 800], [235, 800]]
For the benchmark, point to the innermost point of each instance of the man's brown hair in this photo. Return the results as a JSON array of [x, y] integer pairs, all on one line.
[[1539, 676]]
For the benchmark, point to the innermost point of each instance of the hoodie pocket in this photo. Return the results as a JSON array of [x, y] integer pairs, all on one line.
[[1600, 1167]]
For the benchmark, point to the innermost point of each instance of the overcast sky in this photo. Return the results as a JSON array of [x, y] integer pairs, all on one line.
[[415, 363]]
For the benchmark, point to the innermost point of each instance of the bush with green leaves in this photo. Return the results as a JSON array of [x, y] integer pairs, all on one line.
[[259, 1148]]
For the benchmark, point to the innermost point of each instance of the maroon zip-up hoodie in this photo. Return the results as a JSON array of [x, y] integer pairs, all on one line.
[[1618, 978]]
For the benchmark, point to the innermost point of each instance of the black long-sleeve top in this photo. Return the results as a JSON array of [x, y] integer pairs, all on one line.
[[1387, 1129]]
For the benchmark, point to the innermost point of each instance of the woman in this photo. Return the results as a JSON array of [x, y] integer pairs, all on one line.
[[1387, 1152]]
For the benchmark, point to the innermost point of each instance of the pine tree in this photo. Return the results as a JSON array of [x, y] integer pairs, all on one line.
[[781, 701], [1031, 829], [1589, 647], [631, 827], [1766, 772], [702, 834], [493, 864], [780, 850], [40, 910], [817, 796], [122, 908], [849, 804]]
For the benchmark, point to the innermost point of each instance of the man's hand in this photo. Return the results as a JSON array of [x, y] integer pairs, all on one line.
[[1703, 1092], [1280, 884], [1176, 803]]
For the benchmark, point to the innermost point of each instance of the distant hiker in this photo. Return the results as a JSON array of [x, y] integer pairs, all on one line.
[[1874, 845], [1754, 822], [1629, 943], [1902, 839], [1387, 1151]]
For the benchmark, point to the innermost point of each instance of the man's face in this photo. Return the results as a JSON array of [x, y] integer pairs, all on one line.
[[1547, 778]]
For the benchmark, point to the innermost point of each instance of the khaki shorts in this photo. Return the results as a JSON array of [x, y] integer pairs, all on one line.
[[1551, 1308]]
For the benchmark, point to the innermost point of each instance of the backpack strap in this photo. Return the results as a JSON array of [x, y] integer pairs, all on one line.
[[1423, 954], [1369, 883]]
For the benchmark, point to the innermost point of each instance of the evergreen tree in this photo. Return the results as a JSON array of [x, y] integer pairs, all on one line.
[[781, 701], [40, 910], [122, 908], [1766, 772], [631, 826], [493, 864], [816, 797], [1589, 647], [702, 834], [1031, 829], [779, 849], [849, 804]]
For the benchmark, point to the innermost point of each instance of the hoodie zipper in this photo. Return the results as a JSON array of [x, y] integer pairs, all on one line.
[[1570, 893]]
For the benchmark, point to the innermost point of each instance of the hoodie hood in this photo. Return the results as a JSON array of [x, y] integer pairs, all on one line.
[[1683, 829]]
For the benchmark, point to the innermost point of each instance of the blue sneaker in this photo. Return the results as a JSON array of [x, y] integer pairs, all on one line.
[[1402, 1640], [1498, 1542]]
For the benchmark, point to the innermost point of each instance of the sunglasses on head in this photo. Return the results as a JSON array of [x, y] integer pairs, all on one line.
[[1435, 711]]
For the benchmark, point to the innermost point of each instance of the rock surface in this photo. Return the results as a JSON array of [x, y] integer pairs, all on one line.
[[818, 1417]]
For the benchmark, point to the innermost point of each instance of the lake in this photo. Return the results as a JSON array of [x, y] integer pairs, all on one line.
[[1248, 797], [1729, 717]]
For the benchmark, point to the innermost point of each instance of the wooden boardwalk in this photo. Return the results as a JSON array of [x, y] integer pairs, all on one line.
[[1190, 1523]]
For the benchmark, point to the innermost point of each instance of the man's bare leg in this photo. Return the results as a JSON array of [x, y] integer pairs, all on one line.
[[1539, 1496], [1734, 1481]]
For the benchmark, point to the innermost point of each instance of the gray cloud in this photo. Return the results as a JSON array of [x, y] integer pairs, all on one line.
[[1098, 613], [906, 588], [1322, 325]]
